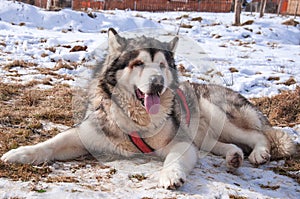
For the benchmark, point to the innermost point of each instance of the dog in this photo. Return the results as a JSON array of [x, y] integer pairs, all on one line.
[[138, 106]]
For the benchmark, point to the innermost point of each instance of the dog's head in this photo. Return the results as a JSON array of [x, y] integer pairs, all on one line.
[[142, 66]]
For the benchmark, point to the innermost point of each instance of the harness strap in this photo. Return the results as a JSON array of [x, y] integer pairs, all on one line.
[[185, 106], [140, 143]]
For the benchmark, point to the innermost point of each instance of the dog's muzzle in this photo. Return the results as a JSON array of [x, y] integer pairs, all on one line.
[[156, 83], [151, 99]]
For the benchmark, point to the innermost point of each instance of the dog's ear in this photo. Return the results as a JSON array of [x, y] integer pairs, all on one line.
[[115, 41], [172, 45]]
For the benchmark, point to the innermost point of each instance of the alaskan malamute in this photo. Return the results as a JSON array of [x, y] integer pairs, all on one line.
[[137, 105]]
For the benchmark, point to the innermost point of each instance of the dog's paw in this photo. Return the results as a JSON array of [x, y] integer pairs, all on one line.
[[172, 178], [24, 154], [234, 159], [259, 156]]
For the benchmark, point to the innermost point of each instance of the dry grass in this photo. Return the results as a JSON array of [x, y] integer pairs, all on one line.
[[48, 71], [199, 19], [249, 22], [291, 169], [290, 22], [68, 179], [233, 70], [231, 196], [188, 26], [78, 48], [24, 110], [282, 109], [19, 63], [23, 172], [185, 16]]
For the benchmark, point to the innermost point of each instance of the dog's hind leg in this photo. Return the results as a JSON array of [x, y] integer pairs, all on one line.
[[233, 154], [256, 140], [66, 145], [261, 148]]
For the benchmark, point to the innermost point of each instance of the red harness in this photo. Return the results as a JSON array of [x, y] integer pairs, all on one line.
[[140, 143]]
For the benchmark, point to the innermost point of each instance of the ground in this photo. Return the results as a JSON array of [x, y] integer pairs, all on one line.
[[26, 111], [47, 57]]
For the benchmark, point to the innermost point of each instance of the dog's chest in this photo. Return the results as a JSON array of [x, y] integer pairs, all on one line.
[[145, 142]]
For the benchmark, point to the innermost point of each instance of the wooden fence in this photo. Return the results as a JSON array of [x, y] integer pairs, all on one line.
[[294, 7], [156, 5], [287, 7], [85, 4], [54, 3]]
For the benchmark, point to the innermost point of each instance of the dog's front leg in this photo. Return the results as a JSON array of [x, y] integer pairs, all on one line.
[[66, 145], [180, 159]]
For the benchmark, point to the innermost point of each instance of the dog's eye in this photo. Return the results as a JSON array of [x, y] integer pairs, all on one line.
[[162, 65], [138, 63]]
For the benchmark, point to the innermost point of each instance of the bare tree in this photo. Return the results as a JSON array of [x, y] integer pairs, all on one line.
[[296, 10], [279, 7], [48, 6], [263, 4], [237, 11]]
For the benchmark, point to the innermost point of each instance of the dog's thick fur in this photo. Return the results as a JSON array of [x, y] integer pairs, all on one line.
[[135, 90]]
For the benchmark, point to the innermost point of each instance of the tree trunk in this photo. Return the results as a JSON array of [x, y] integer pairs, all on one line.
[[296, 11], [263, 4], [279, 7], [48, 6], [237, 11]]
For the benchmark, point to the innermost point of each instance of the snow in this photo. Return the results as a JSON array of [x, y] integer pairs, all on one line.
[[207, 51]]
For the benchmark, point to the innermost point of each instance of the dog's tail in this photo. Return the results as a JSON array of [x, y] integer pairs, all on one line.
[[282, 144]]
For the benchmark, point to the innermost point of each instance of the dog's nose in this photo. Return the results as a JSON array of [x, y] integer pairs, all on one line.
[[156, 79], [156, 83]]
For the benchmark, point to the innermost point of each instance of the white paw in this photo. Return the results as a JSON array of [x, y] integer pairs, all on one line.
[[172, 177], [259, 155], [24, 154], [234, 158]]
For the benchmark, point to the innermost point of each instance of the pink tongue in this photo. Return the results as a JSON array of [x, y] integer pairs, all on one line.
[[152, 103]]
